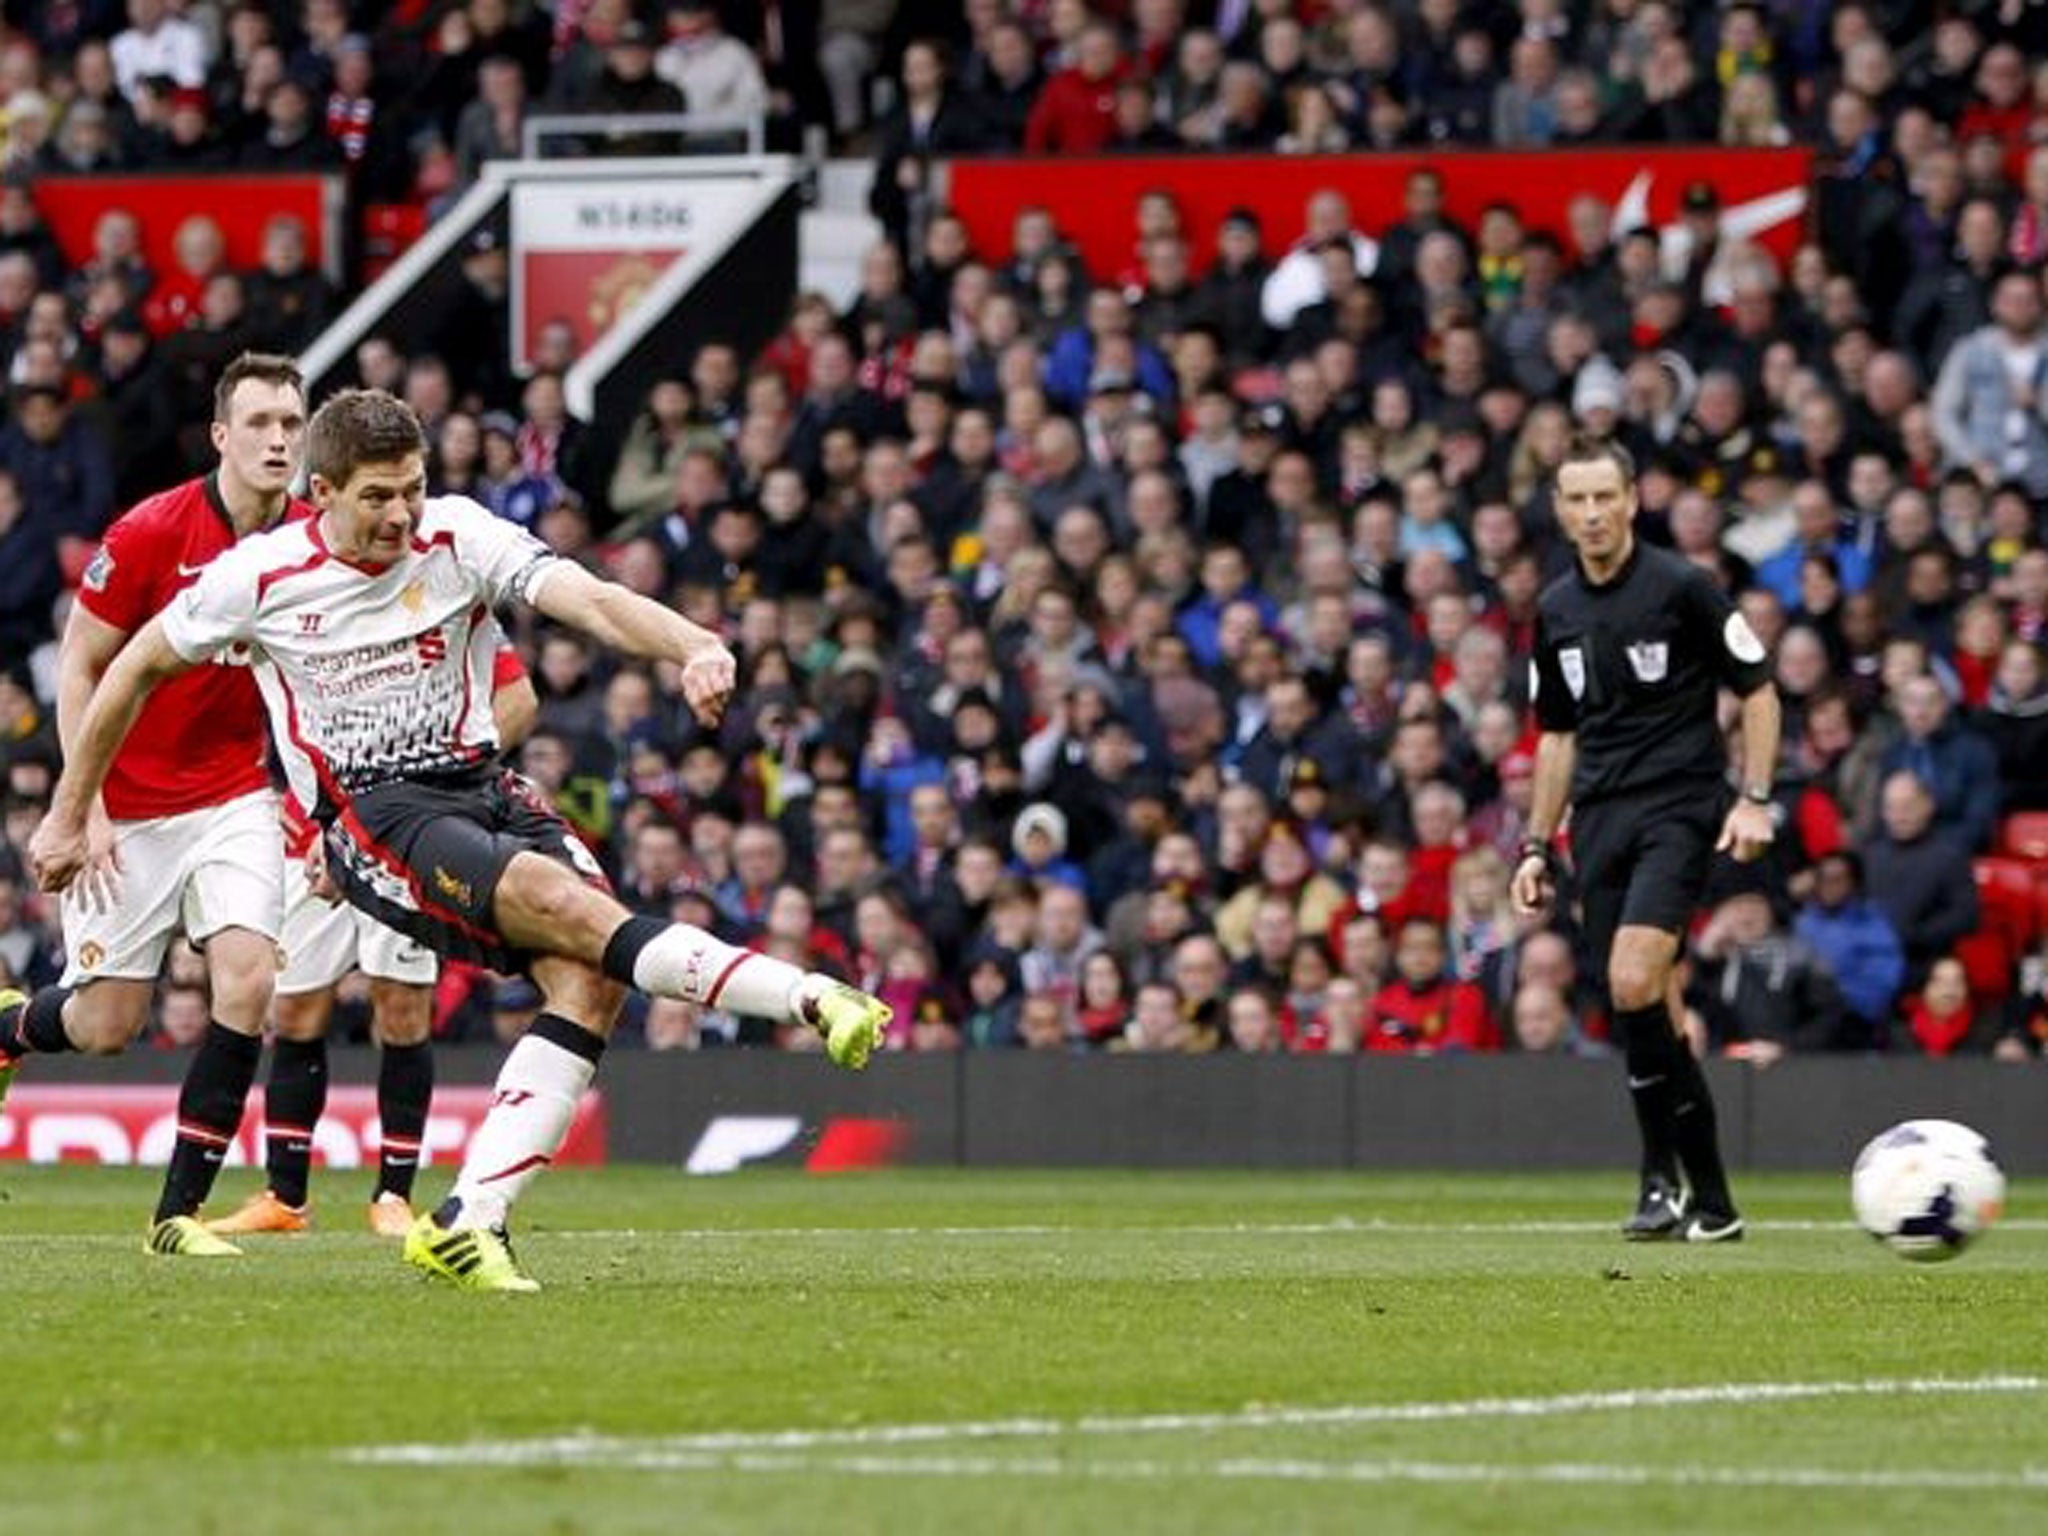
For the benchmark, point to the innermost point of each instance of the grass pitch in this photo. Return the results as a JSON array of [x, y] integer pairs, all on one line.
[[1023, 1352]]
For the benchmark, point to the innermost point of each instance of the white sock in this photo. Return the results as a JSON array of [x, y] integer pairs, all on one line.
[[689, 963], [538, 1090]]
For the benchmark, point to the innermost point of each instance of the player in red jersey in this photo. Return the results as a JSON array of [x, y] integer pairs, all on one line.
[[184, 835], [323, 940]]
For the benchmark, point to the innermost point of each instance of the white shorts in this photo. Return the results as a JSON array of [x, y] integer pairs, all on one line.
[[218, 867], [323, 942]]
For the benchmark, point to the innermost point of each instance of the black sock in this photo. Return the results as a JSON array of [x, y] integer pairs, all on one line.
[[405, 1087], [622, 949], [569, 1035], [209, 1113], [292, 1107], [1652, 1051], [1698, 1135], [38, 1026]]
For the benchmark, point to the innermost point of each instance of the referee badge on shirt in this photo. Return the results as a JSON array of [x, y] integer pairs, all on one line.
[[1572, 662], [1650, 659]]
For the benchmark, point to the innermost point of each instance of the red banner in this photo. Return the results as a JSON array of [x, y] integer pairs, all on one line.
[[77, 1123], [240, 205], [1094, 202]]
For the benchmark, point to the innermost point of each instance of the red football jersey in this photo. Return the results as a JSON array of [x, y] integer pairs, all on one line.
[[1448, 1016], [200, 739]]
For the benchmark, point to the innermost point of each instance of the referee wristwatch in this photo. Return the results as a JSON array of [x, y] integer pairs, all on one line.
[[1539, 848], [1757, 794]]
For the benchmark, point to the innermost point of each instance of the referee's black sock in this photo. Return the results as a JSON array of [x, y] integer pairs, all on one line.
[[209, 1113], [37, 1027], [292, 1106], [1652, 1051], [405, 1087], [1699, 1137]]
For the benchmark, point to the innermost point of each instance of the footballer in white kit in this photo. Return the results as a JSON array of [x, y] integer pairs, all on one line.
[[370, 628], [322, 941], [379, 684]]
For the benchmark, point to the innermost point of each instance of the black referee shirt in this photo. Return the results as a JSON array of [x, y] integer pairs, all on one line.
[[1633, 667]]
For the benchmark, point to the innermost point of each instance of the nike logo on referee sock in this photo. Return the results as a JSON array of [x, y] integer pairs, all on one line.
[[1646, 1082]]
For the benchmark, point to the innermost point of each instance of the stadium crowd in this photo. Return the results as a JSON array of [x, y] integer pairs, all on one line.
[[1135, 659]]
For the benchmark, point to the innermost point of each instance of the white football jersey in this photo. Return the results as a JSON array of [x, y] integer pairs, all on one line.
[[369, 673]]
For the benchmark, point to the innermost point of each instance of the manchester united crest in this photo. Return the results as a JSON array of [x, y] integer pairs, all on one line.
[[615, 292]]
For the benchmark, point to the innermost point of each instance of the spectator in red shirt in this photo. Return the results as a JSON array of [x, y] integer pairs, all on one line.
[[1942, 1021], [1076, 112], [1340, 1028], [1388, 890], [1422, 1012], [1436, 812], [201, 251], [1104, 1001], [2001, 109]]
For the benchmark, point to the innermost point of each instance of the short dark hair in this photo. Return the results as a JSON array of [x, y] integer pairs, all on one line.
[[1849, 859], [1585, 448], [265, 368], [357, 427]]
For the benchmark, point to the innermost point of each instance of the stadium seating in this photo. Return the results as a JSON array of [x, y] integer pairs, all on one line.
[[2009, 896], [2024, 835]]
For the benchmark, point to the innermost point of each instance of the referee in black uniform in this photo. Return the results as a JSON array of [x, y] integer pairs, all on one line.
[[1633, 646]]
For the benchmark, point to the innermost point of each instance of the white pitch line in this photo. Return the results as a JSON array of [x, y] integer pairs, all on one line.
[[1343, 1227], [1245, 1469], [2031, 1480], [1340, 1228], [589, 1450]]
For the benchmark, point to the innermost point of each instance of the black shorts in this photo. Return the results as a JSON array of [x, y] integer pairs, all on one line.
[[425, 856], [1642, 860]]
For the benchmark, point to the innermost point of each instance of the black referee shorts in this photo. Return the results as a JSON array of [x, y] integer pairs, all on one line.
[[425, 857], [1642, 860]]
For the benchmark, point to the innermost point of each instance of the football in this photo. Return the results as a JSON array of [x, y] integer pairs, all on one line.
[[1927, 1188]]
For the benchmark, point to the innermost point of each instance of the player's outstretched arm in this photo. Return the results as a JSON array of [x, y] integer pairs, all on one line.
[[58, 851], [625, 621]]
